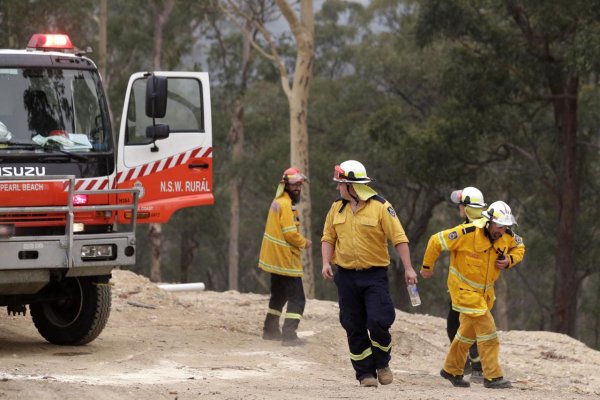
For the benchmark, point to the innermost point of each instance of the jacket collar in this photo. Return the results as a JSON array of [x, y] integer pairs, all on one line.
[[482, 241]]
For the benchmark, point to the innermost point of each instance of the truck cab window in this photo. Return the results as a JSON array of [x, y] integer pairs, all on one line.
[[183, 113], [45, 102]]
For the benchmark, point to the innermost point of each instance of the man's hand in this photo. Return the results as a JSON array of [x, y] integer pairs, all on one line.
[[308, 244], [327, 272], [502, 263], [410, 276], [426, 273]]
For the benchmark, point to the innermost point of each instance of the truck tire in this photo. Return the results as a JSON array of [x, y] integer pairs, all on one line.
[[77, 318]]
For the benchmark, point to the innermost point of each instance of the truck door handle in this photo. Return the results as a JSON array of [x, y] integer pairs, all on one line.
[[194, 166]]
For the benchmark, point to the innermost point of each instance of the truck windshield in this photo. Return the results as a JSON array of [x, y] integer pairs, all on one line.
[[62, 106]]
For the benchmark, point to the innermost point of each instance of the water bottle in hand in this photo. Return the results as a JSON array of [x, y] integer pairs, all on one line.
[[413, 293]]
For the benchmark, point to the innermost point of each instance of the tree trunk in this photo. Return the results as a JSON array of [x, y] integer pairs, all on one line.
[[236, 140], [188, 247], [11, 18], [298, 102], [299, 159], [564, 89], [155, 237], [103, 22], [234, 234], [565, 92], [303, 28], [161, 17]]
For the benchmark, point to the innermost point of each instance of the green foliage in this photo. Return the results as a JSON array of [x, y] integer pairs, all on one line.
[[19, 20], [131, 50]]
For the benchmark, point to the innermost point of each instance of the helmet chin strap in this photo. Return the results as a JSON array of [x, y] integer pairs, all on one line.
[[488, 233], [355, 198]]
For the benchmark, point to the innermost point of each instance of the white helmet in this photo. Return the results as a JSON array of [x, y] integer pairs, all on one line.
[[469, 197], [351, 171], [500, 213]]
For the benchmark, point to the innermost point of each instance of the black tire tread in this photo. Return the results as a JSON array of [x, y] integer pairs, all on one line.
[[92, 320]]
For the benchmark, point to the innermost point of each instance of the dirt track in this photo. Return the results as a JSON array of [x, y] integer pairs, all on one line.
[[161, 345]]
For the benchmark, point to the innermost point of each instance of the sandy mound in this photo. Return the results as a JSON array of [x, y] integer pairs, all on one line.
[[184, 345]]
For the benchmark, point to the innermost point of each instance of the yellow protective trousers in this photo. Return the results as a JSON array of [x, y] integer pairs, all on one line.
[[480, 328]]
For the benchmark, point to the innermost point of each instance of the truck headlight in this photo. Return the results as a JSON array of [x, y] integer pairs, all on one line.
[[7, 231], [98, 252]]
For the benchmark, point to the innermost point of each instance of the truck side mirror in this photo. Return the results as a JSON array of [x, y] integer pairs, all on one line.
[[156, 107], [156, 96]]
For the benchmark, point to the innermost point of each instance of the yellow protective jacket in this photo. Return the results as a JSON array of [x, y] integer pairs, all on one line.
[[282, 241], [360, 239], [472, 264]]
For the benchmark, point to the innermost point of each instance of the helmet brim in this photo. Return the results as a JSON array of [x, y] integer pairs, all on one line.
[[361, 180], [505, 220], [476, 205], [456, 196]]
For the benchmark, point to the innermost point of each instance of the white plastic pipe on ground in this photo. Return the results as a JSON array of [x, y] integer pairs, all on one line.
[[182, 287]]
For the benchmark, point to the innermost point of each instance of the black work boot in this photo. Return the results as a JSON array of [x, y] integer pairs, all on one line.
[[474, 364], [291, 339], [271, 328], [477, 373], [288, 333], [468, 367], [497, 383], [271, 335], [456, 380]]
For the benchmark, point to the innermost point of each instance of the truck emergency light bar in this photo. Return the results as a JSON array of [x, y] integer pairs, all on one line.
[[50, 41]]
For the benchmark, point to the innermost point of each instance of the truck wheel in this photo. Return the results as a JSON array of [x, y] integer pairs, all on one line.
[[77, 318]]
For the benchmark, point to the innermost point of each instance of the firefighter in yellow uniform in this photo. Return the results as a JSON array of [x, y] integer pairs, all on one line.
[[280, 256], [355, 239], [470, 204], [478, 253]]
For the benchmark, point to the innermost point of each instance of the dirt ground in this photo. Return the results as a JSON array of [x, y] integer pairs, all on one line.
[[186, 345]]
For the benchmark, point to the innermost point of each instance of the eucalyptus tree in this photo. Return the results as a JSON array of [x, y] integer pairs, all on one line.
[[20, 19], [295, 82], [233, 59], [161, 12]]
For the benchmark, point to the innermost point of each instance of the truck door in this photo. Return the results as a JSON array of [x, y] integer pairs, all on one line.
[[175, 170]]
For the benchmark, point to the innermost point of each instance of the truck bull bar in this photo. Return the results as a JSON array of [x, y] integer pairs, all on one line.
[[33, 258]]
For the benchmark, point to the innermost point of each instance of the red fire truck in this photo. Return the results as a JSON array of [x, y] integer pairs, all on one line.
[[71, 193]]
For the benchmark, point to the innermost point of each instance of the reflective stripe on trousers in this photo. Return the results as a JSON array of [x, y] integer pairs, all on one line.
[[475, 328], [366, 313], [285, 289]]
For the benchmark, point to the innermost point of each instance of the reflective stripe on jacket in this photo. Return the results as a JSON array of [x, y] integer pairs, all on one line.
[[282, 241], [473, 268]]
